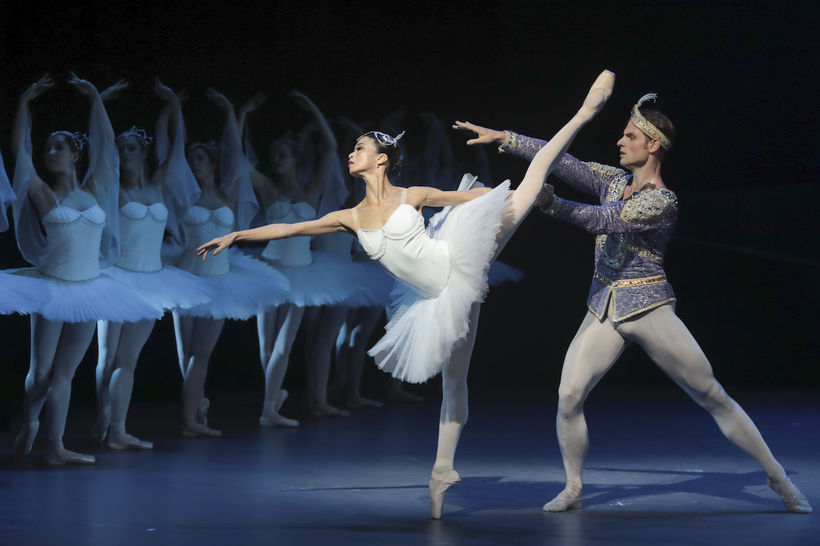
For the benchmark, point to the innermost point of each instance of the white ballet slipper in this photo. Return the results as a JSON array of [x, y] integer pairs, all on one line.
[[598, 94], [565, 500], [198, 430], [439, 484], [58, 455], [795, 501], [121, 442]]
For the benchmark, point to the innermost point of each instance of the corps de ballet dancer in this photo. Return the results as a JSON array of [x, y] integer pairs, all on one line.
[[81, 232]]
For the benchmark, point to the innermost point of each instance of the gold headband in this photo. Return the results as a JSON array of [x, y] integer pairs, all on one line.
[[645, 126]]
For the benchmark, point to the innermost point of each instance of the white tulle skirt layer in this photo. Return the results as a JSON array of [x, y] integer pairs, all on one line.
[[101, 298], [327, 280], [377, 287], [20, 294], [422, 332], [250, 287], [168, 289]]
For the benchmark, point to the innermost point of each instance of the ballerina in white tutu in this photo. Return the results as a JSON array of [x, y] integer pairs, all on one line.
[[242, 285], [143, 217], [80, 221], [316, 278], [443, 269]]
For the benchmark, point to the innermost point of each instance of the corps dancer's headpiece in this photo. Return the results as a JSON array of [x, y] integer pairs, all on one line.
[[383, 138], [138, 133], [78, 139], [644, 124]]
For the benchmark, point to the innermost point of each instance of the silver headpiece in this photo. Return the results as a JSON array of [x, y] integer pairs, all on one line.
[[644, 125], [383, 138], [78, 139], [137, 133]]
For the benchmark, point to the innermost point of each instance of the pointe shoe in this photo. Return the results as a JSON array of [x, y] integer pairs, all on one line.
[[564, 501], [276, 420], [59, 456], [198, 430], [439, 484], [327, 410], [598, 95], [795, 501], [25, 439], [121, 442], [354, 402]]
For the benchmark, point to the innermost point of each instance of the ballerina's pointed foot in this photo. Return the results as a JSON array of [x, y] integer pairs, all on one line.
[[355, 402], [198, 430], [439, 484], [326, 410], [60, 456], [125, 441], [25, 439], [565, 500], [598, 95], [276, 420], [795, 501]]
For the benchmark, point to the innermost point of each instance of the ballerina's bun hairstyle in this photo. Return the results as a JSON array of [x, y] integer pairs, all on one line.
[[385, 144]]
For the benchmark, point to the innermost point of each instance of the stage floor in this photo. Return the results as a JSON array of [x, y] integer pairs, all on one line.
[[658, 472]]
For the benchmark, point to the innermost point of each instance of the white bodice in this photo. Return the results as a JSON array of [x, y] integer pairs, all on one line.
[[294, 251], [403, 247], [73, 242], [141, 230], [201, 225]]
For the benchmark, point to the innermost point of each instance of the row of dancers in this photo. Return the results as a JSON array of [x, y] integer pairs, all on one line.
[[441, 268]]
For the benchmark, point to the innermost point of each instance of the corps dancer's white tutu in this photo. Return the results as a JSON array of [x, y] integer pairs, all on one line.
[[100, 298], [20, 294], [168, 289], [443, 272], [249, 287]]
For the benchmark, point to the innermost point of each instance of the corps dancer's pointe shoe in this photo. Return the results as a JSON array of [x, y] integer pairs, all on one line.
[[25, 439], [354, 402], [439, 484], [121, 442], [598, 95], [327, 410], [794, 500], [566, 500], [270, 416], [198, 430], [58, 455]]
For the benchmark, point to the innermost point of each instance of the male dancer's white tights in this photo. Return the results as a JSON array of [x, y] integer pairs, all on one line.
[[667, 341]]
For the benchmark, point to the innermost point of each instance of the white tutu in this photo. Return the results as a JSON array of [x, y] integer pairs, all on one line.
[[100, 298], [20, 294], [167, 289], [327, 280], [423, 332], [248, 288]]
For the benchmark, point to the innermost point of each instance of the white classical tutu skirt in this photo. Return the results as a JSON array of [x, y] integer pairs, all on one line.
[[249, 287], [376, 287], [423, 332], [20, 294], [101, 298], [327, 280], [169, 288]]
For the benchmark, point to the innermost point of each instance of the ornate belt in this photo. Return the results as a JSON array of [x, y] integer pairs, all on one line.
[[623, 283]]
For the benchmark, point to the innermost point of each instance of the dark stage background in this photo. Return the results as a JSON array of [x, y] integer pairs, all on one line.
[[739, 79]]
